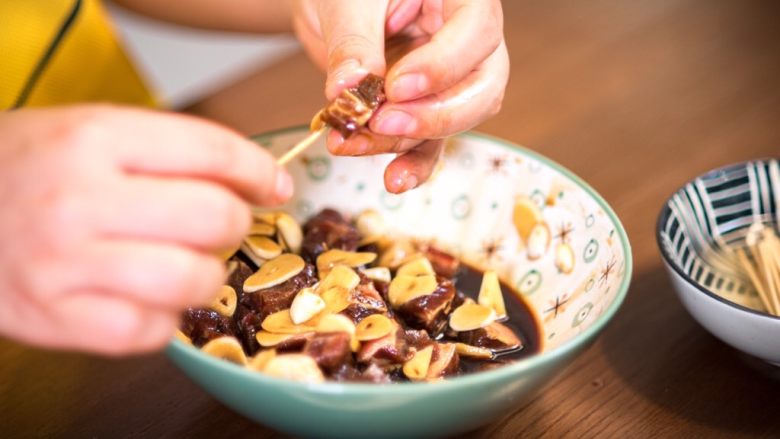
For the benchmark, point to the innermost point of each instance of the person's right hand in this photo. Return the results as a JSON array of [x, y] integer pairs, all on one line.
[[112, 220]]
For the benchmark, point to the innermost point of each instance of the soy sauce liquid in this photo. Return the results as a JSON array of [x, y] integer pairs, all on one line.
[[521, 320]]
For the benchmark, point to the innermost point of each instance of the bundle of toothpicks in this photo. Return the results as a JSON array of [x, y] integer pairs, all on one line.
[[760, 258]]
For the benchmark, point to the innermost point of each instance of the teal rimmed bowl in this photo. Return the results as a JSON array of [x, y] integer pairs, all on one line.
[[473, 206]]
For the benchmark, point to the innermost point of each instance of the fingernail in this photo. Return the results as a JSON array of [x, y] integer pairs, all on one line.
[[395, 123], [409, 86], [403, 182], [284, 185], [343, 75]]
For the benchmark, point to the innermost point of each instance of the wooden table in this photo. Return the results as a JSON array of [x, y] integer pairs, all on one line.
[[635, 97]]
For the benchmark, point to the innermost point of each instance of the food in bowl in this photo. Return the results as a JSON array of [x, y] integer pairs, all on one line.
[[340, 300], [475, 207]]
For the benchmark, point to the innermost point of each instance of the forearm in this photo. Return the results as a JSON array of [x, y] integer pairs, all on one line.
[[261, 16]]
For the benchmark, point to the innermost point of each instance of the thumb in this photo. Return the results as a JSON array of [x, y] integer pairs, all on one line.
[[354, 33]]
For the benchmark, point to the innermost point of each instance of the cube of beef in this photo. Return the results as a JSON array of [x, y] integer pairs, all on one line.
[[417, 339], [495, 336], [278, 297], [430, 312], [202, 325], [326, 231], [444, 264], [366, 301], [390, 349], [444, 361], [329, 350]]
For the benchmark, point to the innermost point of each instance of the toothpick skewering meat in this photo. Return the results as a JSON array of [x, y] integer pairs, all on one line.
[[348, 113]]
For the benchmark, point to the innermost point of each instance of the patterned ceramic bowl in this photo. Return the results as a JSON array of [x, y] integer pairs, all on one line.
[[476, 205], [712, 213]]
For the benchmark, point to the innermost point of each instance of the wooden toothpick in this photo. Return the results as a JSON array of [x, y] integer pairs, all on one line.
[[300, 146]]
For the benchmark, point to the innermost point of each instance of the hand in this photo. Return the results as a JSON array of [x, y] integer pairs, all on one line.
[[452, 79], [112, 218]]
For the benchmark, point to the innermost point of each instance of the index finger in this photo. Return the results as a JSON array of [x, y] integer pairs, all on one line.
[[158, 143]]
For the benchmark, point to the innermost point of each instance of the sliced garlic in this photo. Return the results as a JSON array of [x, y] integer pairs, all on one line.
[[468, 350], [263, 247], [265, 217], [280, 322], [416, 369], [419, 266], [525, 216], [251, 255], [468, 317], [373, 327], [290, 233], [538, 241], [297, 367], [270, 339], [226, 348], [396, 253], [564, 258], [326, 261], [336, 299], [274, 272], [339, 323], [490, 294], [379, 274], [405, 288], [226, 301], [305, 305], [340, 276], [335, 323], [261, 229]]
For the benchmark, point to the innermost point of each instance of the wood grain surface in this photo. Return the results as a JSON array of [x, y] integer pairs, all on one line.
[[634, 96]]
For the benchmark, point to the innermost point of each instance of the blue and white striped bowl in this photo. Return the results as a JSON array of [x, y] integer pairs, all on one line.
[[697, 227]]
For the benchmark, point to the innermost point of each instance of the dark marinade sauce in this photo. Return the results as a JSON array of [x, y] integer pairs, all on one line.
[[521, 320]]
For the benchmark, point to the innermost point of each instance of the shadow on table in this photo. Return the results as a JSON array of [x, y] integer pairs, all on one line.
[[657, 348]]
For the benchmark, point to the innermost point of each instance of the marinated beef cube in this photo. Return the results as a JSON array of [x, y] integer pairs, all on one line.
[[382, 288], [270, 300], [357, 312], [444, 264], [294, 344], [390, 349], [203, 325], [326, 231], [417, 339], [238, 275], [429, 312], [248, 323], [444, 361], [366, 301], [329, 350], [495, 336], [459, 299], [354, 107]]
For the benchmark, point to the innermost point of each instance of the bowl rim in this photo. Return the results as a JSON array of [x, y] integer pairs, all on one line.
[[470, 380], [659, 225]]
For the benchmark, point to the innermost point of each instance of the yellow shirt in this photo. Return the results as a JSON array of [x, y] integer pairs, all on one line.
[[60, 52]]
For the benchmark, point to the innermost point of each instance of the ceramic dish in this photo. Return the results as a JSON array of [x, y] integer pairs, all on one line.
[[707, 215], [469, 208]]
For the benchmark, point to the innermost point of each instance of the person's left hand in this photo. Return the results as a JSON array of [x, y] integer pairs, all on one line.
[[451, 80]]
